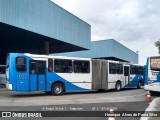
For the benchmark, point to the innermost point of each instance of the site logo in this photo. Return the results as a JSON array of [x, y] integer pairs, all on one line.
[[21, 114], [6, 114]]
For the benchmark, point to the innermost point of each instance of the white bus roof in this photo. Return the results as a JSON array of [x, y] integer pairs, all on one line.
[[56, 57]]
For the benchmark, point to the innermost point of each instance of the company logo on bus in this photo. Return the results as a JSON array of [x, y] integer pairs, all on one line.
[[22, 76]]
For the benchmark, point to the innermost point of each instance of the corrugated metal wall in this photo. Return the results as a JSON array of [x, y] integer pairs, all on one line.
[[106, 48], [46, 18]]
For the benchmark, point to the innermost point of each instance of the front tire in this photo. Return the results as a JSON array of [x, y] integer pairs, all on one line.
[[57, 89], [118, 86]]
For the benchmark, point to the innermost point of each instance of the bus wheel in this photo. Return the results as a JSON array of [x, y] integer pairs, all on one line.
[[139, 85], [57, 89], [118, 86]]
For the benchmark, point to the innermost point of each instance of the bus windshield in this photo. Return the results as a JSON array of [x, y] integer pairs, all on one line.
[[155, 63]]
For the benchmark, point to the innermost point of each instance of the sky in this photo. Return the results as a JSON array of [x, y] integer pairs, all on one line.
[[133, 23]]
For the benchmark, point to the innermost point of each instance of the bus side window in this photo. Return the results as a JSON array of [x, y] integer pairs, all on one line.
[[33, 68], [132, 69], [62, 66], [136, 70], [119, 69], [21, 64], [81, 66], [50, 65], [139, 70], [41, 67], [112, 68]]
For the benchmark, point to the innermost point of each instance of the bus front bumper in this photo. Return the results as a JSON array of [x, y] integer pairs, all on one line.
[[8, 86]]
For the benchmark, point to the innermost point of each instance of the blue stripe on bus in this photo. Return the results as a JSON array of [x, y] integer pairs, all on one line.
[[134, 82], [53, 77]]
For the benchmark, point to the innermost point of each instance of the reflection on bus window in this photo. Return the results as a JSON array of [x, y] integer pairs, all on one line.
[[81, 67], [132, 69], [21, 64], [50, 65], [63, 66], [33, 67], [112, 68], [119, 69]]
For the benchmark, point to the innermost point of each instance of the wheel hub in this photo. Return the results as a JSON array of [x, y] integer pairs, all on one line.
[[58, 89]]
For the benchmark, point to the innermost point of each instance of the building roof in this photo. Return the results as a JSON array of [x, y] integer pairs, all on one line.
[[107, 49]]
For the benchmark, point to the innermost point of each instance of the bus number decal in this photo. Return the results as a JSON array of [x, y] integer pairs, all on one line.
[[22, 76]]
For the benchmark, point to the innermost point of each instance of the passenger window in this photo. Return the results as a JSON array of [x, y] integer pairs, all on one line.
[[81, 66], [41, 67], [21, 64], [139, 70], [132, 69], [126, 70], [63, 66], [33, 67], [50, 65], [119, 69], [112, 68]]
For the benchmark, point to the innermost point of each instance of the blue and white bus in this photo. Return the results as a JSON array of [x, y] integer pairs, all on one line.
[[58, 74], [152, 74]]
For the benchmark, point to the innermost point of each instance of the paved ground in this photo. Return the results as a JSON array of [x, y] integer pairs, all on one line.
[[126, 100], [8, 98]]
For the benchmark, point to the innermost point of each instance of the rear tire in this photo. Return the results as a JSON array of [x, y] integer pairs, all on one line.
[[57, 89], [118, 86]]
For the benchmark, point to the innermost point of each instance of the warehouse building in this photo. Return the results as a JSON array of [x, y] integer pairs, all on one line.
[[108, 49], [42, 27]]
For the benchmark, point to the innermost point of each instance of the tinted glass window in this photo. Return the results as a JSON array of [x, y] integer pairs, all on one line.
[[126, 71], [50, 65], [63, 66], [41, 67], [81, 66], [112, 68], [139, 70], [21, 64], [119, 69], [132, 69], [33, 69]]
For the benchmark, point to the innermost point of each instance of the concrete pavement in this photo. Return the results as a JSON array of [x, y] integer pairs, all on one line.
[[154, 106], [9, 98]]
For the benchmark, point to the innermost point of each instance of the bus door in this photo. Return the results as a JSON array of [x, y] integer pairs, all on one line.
[[37, 75], [126, 75]]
